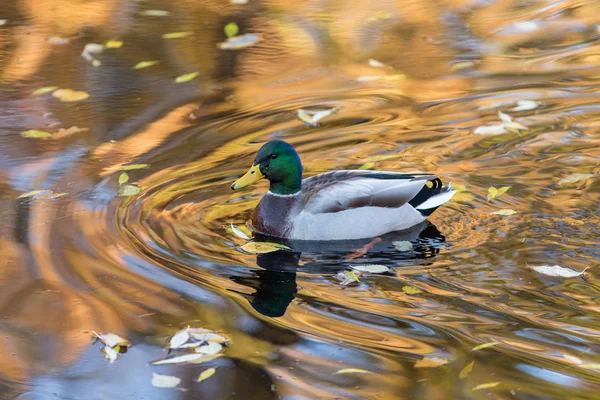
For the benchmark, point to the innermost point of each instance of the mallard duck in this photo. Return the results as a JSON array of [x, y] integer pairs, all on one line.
[[337, 205]]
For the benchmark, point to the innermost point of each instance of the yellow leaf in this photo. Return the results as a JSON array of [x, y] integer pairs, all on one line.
[[466, 370], [131, 167], [484, 346], [459, 188], [590, 366], [353, 371], [494, 192], [206, 374], [155, 13], [42, 195], [485, 386], [129, 190], [411, 290], [463, 197], [113, 44], [461, 65], [231, 29], [186, 77], [145, 64], [68, 95], [505, 211], [263, 247], [176, 35], [431, 362], [366, 166], [123, 178], [44, 90], [33, 133]]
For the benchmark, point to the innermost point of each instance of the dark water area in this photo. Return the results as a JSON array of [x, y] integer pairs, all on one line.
[[78, 257]]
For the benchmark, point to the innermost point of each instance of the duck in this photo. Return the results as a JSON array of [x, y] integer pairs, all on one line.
[[340, 204]]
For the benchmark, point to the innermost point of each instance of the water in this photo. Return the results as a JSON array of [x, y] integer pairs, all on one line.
[[148, 265]]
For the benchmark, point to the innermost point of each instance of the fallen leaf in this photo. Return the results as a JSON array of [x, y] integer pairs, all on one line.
[[62, 132], [376, 64], [311, 118], [206, 374], [431, 362], [145, 64], [44, 90], [490, 130], [123, 178], [370, 78], [466, 370], [239, 1], [494, 192], [205, 335], [185, 358], [231, 29], [42, 195], [238, 232], [485, 386], [155, 13], [68, 95], [113, 44], [263, 247], [403, 245], [370, 268], [347, 277], [186, 77], [526, 105], [367, 166], [164, 381], [504, 117], [92, 48], [574, 178], [505, 211], [461, 65], [129, 190], [210, 348], [59, 41], [3, 22], [176, 35], [410, 290], [557, 270], [239, 42], [484, 346], [34, 133], [179, 338], [112, 340], [111, 354], [131, 167], [353, 371]]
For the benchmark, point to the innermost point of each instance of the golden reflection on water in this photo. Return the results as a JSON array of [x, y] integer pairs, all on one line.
[[149, 265]]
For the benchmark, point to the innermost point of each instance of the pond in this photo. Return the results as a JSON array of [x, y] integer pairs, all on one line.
[[116, 205]]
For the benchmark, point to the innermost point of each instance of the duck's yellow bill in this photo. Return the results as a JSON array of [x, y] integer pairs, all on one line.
[[249, 178]]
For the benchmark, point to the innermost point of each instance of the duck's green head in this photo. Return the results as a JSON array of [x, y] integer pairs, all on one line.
[[280, 164]]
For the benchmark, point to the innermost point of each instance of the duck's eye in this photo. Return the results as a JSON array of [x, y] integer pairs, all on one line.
[[273, 156]]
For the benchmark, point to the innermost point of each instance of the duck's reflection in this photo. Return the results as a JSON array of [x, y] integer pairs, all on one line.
[[276, 285]]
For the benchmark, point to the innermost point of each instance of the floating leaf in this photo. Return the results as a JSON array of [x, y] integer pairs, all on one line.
[[59, 41], [238, 232], [376, 64], [111, 354], [129, 190], [155, 13], [557, 270], [145, 64], [176, 35], [353, 371], [179, 338], [505, 211], [263, 247], [466, 370], [113, 44], [461, 65], [34, 133], [370, 78], [186, 77], [68, 95], [347, 277], [206, 374], [42, 195], [403, 245], [123, 178], [209, 348], [430, 362], [371, 268], [494, 192], [231, 29], [92, 48], [112, 340], [185, 358], [131, 167], [574, 178], [367, 166], [239, 42], [504, 117], [3, 22], [239, 1], [485, 386], [311, 118], [44, 90], [68, 132], [410, 290], [484, 346], [490, 130], [164, 381], [526, 105]]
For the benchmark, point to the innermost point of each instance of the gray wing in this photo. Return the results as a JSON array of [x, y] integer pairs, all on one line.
[[342, 190]]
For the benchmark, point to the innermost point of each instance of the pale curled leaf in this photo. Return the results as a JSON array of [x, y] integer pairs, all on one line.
[[239, 42], [430, 362], [186, 77], [484, 346], [206, 374], [371, 268], [155, 13], [485, 386], [42, 195], [263, 247], [44, 90], [145, 64], [123, 178], [574, 178], [410, 290], [112, 339], [111, 354], [370, 78], [466, 370], [185, 358], [526, 105], [311, 118], [490, 130], [164, 381], [347, 277], [129, 190], [179, 338], [507, 119], [353, 371], [403, 245], [505, 211], [34, 133], [376, 64], [557, 270], [210, 348], [238, 232], [68, 95], [91, 48]]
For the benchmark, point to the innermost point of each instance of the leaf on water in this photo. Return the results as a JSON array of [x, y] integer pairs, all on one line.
[[164, 381], [485, 386], [347, 277], [123, 178], [112, 340], [113, 44], [461, 65], [263, 247], [131, 167], [494, 192], [370, 78], [210, 348], [590, 366], [526, 105], [574, 178], [557, 270], [145, 64], [129, 190], [206, 335], [403, 245], [179, 338], [367, 166], [186, 77], [490, 130], [68, 95], [176, 35], [505, 211], [371, 268], [239, 233], [239, 42], [507, 119], [206, 374], [410, 290], [466, 370], [155, 13], [34, 133], [92, 48], [311, 118], [376, 64], [3, 22], [353, 371], [62, 132], [185, 358], [111, 354], [59, 41], [484, 346], [42, 195], [239, 1], [431, 362], [44, 90], [231, 29]]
